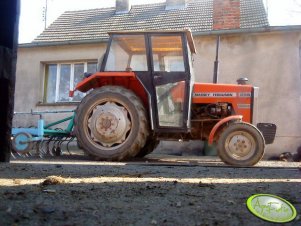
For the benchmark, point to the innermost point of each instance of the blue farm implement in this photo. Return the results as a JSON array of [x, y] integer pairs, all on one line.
[[44, 138]]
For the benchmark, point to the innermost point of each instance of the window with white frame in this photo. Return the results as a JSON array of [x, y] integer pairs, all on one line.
[[60, 78]]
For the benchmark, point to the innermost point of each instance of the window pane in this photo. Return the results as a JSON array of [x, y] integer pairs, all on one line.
[[138, 63], [78, 73], [167, 53], [170, 103], [92, 67], [78, 76], [65, 77], [64, 85], [127, 53], [51, 70]]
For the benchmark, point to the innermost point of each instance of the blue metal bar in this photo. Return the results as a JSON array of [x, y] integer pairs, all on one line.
[[33, 139], [42, 130], [58, 122], [71, 124], [41, 127], [43, 112], [32, 131], [50, 112]]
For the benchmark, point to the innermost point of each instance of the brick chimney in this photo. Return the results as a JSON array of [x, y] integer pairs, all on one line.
[[226, 14], [175, 4], [123, 6]]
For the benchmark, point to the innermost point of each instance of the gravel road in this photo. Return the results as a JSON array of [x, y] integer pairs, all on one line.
[[157, 190]]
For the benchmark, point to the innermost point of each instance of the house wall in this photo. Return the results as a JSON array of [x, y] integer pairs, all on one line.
[[30, 78], [271, 61]]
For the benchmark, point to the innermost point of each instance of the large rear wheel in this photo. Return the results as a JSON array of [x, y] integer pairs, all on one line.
[[241, 144], [111, 123], [149, 147]]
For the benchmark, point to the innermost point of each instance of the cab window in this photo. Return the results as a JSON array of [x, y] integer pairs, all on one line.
[[127, 53], [167, 53]]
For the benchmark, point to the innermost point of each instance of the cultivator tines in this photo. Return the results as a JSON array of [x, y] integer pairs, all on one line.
[[16, 154], [54, 146], [51, 146], [42, 149], [42, 139], [67, 146]]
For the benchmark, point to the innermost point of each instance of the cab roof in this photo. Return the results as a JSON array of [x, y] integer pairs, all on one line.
[[187, 32]]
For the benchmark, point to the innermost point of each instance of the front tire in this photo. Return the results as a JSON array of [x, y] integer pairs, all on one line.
[[110, 124], [241, 144]]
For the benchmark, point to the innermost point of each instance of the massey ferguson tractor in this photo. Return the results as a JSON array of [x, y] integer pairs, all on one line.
[[145, 92]]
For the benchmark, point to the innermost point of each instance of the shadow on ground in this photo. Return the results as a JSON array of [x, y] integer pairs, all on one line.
[[97, 193]]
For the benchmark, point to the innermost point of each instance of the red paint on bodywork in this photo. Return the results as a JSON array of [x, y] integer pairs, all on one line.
[[125, 79], [221, 122], [242, 105]]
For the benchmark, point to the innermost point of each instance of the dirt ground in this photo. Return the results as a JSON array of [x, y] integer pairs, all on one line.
[[157, 190]]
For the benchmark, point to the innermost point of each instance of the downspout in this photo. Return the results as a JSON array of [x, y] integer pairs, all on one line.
[[216, 62]]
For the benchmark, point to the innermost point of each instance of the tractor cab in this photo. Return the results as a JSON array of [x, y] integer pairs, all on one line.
[[161, 62]]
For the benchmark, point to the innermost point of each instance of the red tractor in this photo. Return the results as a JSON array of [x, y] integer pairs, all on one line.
[[145, 92]]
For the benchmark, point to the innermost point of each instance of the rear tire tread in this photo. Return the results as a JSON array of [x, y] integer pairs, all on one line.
[[142, 135]]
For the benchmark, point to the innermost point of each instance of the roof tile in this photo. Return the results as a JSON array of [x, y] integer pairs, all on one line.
[[95, 23]]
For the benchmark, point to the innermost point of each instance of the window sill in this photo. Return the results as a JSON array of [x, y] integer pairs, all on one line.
[[58, 104]]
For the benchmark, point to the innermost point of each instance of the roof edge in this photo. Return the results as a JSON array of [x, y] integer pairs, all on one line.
[[290, 28], [59, 43]]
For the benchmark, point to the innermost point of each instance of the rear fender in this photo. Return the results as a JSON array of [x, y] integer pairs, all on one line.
[[220, 124], [127, 80], [99, 79]]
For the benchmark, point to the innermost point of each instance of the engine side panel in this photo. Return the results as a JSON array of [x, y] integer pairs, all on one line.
[[239, 96]]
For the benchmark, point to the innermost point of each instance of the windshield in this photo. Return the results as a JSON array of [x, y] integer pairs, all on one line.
[[127, 53]]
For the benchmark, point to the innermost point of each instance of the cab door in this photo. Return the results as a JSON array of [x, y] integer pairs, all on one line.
[[171, 81]]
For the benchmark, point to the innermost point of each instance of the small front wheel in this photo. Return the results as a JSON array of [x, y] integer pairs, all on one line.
[[241, 144]]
